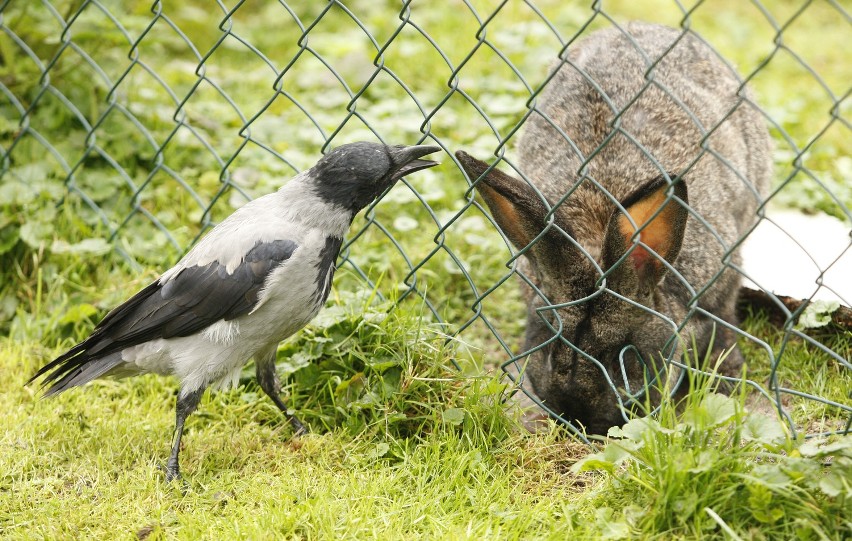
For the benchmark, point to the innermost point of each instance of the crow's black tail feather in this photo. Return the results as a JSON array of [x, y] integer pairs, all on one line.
[[74, 367], [97, 354]]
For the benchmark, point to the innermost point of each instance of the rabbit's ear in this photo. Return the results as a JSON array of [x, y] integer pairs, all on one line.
[[661, 222], [517, 208]]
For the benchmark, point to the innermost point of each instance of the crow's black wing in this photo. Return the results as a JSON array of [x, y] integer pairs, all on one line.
[[193, 299]]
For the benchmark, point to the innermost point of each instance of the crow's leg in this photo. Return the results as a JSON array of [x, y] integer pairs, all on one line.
[[186, 404], [271, 385]]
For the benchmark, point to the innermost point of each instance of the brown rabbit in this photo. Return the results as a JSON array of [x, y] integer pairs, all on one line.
[[644, 162]]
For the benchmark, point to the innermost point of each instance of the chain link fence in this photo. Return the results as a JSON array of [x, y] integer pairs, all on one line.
[[131, 128]]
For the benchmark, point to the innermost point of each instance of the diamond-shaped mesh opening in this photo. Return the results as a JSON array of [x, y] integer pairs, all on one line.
[[152, 122]]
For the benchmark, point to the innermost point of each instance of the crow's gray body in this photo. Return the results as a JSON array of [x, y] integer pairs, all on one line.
[[291, 294], [255, 279]]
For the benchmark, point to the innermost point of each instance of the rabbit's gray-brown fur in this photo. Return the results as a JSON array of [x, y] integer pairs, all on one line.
[[680, 117]]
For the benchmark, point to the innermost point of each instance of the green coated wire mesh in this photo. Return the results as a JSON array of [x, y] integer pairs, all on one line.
[[138, 126]]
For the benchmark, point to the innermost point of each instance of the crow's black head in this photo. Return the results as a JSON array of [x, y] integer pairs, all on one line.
[[353, 175]]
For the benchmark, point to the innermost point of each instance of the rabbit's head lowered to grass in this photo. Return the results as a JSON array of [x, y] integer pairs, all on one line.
[[642, 165]]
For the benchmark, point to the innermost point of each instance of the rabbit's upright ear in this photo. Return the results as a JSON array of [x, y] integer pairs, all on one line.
[[516, 207], [658, 211]]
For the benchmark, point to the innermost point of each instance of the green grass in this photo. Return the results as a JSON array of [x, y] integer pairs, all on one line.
[[713, 469], [402, 445], [804, 367], [86, 464], [364, 471]]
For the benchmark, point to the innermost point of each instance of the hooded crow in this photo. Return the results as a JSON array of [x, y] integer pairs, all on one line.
[[256, 278]]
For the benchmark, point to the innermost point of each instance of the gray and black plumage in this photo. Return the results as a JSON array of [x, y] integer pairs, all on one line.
[[252, 281]]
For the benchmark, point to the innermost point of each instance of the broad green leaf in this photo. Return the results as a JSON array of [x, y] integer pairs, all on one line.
[[814, 448], [35, 232], [611, 456], [706, 460], [454, 416], [768, 515], [405, 223], [610, 526], [817, 314], [331, 315], [296, 361], [635, 429], [686, 504], [100, 185], [391, 381], [713, 410], [8, 306], [249, 398], [9, 237], [352, 386], [380, 450], [380, 363], [308, 375], [593, 462], [769, 474], [834, 484], [763, 429], [93, 246], [719, 408]]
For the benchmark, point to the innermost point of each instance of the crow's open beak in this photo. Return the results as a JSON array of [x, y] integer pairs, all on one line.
[[408, 160]]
